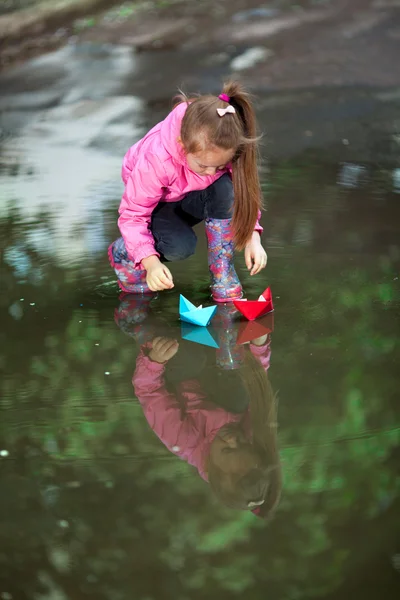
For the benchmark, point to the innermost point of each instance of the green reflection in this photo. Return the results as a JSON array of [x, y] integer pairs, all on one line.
[[95, 505]]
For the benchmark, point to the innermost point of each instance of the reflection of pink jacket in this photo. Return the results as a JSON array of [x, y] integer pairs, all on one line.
[[155, 169], [188, 425]]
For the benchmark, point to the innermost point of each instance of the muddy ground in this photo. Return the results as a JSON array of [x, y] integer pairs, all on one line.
[[278, 44]]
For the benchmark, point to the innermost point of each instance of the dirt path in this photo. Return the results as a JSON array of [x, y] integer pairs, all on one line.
[[356, 45], [41, 27], [337, 42]]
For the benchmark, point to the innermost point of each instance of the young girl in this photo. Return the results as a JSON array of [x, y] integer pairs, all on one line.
[[198, 164], [225, 426]]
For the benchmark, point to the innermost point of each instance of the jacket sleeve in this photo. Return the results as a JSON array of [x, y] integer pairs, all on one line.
[[258, 227], [161, 408], [143, 190], [262, 353]]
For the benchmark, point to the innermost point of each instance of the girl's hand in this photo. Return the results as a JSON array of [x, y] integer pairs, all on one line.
[[158, 276], [260, 341], [255, 255], [163, 349]]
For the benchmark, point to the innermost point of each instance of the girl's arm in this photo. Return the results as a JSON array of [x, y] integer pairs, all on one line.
[[161, 408], [262, 352], [143, 190]]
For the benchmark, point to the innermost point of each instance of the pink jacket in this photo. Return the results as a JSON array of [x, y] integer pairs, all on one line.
[[154, 170], [188, 425]]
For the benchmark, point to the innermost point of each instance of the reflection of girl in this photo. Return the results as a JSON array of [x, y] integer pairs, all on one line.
[[230, 436]]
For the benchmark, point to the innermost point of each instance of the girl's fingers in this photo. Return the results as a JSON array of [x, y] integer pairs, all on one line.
[[156, 343], [247, 258], [172, 346], [260, 264], [260, 341], [168, 274], [255, 269], [172, 350], [159, 284], [152, 287], [163, 281], [165, 344], [169, 351], [154, 284]]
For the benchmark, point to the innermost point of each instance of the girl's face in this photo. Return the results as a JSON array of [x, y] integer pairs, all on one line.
[[208, 162], [232, 453]]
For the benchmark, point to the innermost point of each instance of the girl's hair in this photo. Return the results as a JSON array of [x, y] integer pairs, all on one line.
[[260, 487], [202, 127]]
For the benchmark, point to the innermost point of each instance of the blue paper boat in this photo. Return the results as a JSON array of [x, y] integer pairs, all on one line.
[[199, 335], [197, 315]]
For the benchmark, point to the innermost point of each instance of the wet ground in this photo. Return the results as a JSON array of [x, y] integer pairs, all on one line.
[[92, 503]]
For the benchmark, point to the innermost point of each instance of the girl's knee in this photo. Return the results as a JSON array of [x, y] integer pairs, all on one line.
[[220, 198]]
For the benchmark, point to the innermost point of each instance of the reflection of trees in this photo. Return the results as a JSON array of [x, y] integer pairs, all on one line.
[[34, 254], [138, 520]]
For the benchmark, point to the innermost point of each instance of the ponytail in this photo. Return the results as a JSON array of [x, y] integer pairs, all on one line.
[[264, 426], [246, 183], [261, 486]]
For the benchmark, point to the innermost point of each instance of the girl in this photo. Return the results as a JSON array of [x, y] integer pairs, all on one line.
[[225, 426], [198, 164]]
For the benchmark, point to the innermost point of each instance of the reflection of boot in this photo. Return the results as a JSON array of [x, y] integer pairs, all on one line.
[[229, 354], [225, 284], [130, 280], [130, 314]]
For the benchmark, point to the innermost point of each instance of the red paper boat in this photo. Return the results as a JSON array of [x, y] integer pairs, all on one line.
[[253, 309], [252, 330]]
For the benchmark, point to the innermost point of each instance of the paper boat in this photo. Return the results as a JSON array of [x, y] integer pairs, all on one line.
[[251, 330], [197, 315], [199, 335], [253, 309]]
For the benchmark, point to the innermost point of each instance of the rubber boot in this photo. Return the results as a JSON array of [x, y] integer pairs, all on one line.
[[133, 309], [229, 355], [225, 284], [130, 280]]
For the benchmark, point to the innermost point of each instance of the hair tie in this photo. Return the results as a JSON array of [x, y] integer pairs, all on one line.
[[224, 98]]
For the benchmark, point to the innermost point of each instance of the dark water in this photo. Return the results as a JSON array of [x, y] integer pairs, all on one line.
[[11, 5], [93, 504]]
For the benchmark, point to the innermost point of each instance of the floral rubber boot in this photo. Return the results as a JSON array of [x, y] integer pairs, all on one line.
[[133, 309], [130, 280], [225, 284]]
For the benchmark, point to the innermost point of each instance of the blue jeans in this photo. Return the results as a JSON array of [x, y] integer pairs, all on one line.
[[172, 222]]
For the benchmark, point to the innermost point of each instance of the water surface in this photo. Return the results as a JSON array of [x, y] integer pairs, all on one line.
[[93, 504]]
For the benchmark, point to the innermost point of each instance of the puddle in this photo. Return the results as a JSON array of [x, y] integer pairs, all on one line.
[[103, 490]]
